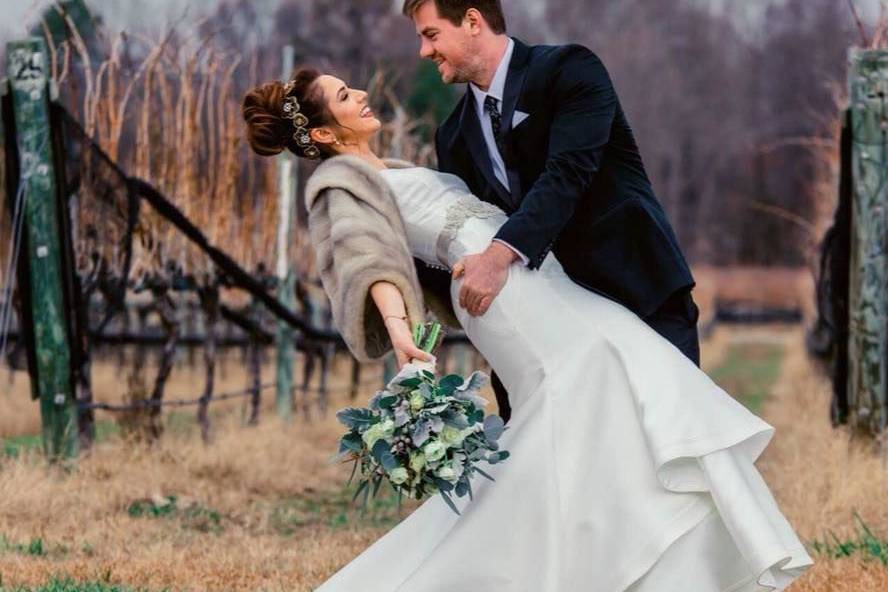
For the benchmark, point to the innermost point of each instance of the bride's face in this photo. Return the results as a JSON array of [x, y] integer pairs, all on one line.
[[356, 121]]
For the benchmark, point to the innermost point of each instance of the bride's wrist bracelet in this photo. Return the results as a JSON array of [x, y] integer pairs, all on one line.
[[387, 317]]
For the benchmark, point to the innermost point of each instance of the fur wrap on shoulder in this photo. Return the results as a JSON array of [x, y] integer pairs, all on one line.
[[359, 239]]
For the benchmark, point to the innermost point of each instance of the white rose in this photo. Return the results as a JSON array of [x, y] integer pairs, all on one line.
[[398, 476], [384, 429], [447, 473], [417, 460], [451, 436], [417, 401], [435, 451]]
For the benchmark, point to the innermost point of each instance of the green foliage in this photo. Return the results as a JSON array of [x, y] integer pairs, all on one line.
[[15, 446], [429, 95], [332, 509], [57, 584], [36, 547], [749, 372], [77, 11], [153, 508], [864, 542], [192, 517]]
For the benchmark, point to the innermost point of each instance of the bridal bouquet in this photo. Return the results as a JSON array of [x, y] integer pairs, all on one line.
[[422, 434]]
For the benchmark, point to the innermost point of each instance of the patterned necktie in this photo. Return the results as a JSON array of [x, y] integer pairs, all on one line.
[[491, 105]]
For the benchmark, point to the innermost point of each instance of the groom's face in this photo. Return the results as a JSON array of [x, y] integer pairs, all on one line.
[[451, 47]]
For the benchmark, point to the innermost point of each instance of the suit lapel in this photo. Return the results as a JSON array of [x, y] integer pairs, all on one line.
[[474, 139], [514, 83]]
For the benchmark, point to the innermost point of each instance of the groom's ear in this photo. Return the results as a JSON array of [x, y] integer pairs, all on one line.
[[474, 21]]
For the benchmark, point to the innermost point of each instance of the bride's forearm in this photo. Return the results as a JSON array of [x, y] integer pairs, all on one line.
[[390, 302], [388, 299]]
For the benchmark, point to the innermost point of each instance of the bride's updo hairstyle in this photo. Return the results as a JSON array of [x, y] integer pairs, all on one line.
[[279, 116]]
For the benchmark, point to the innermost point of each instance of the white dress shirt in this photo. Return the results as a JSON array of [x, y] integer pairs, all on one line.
[[496, 90]]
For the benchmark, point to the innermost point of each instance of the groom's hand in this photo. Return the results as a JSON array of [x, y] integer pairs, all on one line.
[[483, 275]]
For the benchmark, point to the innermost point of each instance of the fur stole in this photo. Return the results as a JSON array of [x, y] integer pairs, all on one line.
[[358, 236]]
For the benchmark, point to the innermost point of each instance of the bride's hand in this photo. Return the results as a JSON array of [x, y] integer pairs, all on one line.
[[402, 342]]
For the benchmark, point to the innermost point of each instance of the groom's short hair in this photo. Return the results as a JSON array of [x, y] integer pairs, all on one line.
[[455, 10]]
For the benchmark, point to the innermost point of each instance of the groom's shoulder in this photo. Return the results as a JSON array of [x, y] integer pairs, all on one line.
[[548, 57]]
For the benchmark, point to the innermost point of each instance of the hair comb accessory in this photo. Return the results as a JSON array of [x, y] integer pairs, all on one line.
[[292, 111]]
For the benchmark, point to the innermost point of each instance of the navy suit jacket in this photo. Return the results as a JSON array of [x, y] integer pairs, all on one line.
[[579, 187]]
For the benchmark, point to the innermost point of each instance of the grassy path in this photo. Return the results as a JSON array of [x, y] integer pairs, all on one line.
[[264, 509]]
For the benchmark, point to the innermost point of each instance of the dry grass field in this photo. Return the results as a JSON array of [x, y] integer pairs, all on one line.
[[262, 508]]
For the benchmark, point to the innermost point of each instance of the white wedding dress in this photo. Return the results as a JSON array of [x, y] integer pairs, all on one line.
[[630, 470]]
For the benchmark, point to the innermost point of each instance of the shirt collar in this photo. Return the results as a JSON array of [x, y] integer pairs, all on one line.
[[498, 84]]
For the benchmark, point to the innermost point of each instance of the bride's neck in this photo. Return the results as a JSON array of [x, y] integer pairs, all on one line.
[[363, 151]]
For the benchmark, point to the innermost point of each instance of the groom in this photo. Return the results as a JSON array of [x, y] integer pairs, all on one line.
[[540, 133]]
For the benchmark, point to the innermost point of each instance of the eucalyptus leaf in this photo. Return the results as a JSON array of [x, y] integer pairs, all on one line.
[[473, 383], [456, 420], [437, 424], [476, 416], [354, 469], [449, 502], [374, 400], [361, 488], [498, 457], [442, 484], [355, 418], [387, 401], [421, 431], [402, 417], [351, 441], [410, 383], [462, 487], [493, 427], [449, 384], [471, 397], [383, 455], [376, 483], [366, 497]]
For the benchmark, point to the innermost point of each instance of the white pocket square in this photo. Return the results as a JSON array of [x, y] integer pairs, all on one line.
[[518, 117]]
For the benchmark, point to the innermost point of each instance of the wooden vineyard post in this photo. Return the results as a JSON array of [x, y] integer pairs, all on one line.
[[287, 170], [868, 297], [26, 69]]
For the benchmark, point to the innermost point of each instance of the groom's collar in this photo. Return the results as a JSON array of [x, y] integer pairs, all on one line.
[[519, 55], [512, 85], [498, 83]]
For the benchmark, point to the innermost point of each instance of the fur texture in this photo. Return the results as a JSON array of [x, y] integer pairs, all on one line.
[[358, 236]]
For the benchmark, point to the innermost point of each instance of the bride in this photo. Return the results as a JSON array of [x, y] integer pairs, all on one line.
[[630, 470]]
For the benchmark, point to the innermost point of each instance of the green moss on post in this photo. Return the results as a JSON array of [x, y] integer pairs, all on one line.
[[26, 69], [868, 298]]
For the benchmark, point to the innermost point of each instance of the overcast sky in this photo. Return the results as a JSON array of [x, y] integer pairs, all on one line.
[[16, 15]]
